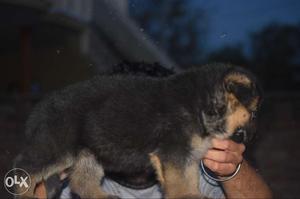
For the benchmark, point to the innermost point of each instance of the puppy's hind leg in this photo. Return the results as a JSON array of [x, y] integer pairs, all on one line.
[[33, 163], [86, 175]]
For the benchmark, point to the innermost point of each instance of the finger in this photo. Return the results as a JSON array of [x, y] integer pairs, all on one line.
[[221, 169], [228, 145], [224, 156], [40, 191]]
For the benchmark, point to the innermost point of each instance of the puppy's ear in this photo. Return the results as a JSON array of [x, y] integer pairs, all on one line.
[[243, 85], [235, 79]]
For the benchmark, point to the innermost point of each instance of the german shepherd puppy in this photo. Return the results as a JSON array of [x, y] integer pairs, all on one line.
[[128, 125]]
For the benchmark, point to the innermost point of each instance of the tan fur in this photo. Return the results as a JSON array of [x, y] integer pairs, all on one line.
[[180, 183], [86, 175], [237, 116], [254, 104], [238, 78], [158, 168], [177, 182]]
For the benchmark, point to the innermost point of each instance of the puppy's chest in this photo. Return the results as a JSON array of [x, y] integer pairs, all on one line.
[[199, 146]]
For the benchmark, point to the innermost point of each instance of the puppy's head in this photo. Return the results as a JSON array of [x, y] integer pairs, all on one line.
[[233, 106]]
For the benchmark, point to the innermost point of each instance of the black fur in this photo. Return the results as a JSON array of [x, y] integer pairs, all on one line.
[[122, 119]]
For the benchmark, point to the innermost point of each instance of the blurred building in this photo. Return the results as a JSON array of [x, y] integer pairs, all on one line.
[[46, 44]]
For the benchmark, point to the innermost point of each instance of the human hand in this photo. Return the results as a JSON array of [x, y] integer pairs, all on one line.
[[224, 156], [40, 191]]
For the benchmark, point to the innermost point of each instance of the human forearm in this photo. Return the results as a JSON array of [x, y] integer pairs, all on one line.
[[247, 184], [223, 159]]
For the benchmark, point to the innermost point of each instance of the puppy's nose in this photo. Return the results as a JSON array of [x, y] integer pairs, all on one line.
[[239, 136]]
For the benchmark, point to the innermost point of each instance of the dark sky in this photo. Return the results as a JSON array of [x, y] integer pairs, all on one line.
[[231, 21]]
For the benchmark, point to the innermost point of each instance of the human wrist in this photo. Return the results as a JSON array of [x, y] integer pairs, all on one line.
[[233, 174], [221, 178]]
